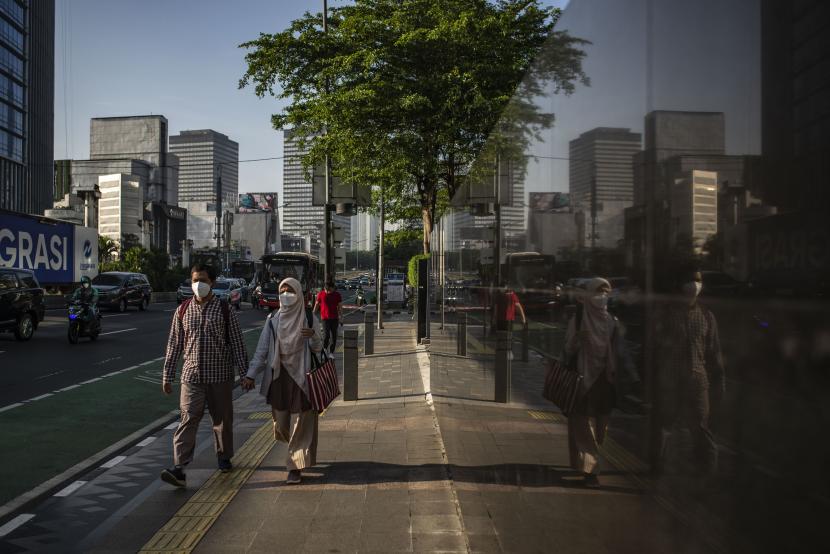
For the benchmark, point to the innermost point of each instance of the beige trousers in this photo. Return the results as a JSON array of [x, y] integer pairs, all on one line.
[[584, 440], [194, 398], [300, 432]]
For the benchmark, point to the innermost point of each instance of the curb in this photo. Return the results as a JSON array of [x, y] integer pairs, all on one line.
[[56, 482]]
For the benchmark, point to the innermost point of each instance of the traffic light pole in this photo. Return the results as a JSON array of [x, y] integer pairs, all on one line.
[[379, 276], [327, 234]]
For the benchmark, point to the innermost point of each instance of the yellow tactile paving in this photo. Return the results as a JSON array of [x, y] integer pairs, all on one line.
[[547, 416], [187, 527], [260, 415]]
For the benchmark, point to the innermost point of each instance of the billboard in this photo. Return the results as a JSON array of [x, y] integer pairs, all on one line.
[[254, 202], [46, 249], [550, 202]]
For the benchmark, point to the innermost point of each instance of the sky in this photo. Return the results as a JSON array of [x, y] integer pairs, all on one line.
[[177, 58]]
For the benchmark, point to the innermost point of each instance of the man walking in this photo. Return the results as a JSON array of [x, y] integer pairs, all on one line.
[[207, 332], [330, 304], [690, 367]]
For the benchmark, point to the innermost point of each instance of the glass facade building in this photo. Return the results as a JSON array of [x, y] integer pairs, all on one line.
[[27, 63]]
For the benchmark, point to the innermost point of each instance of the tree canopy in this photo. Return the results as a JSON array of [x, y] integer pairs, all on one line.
[[404, 94]]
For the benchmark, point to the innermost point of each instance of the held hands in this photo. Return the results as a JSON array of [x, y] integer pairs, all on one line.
[[247, 383], [307, 333]]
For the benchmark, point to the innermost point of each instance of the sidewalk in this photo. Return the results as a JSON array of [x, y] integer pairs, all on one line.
[[389, 478]]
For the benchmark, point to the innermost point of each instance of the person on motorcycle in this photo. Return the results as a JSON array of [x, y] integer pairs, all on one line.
[[360, 295], [87, 294]]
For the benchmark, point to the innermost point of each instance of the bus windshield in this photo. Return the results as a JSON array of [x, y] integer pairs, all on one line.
[[244, 270], [274, 272]]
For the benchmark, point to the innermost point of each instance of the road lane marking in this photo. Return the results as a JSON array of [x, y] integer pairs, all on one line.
[[50, 375], [89, 381], [146, 441], [113, 315], [148, 362], [14, 524], [110, 374], [66, 491], [41, 397], [119, 331], [11, 406], [172, 425], [148, 380], [70, 387], [113, 462]]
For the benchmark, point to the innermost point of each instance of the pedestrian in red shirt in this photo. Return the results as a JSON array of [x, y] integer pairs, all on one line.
[[329, 302]]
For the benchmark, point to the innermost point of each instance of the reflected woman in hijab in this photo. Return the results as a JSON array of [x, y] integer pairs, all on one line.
[[592, 340], [283, 355]]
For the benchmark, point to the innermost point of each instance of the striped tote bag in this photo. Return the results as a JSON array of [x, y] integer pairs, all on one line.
[[322, 381], [561, 386]]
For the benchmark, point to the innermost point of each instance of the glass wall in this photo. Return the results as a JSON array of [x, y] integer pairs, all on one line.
[[660, 230]]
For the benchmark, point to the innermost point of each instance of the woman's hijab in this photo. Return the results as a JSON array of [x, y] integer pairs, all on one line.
[[600, 326], [292, 319]]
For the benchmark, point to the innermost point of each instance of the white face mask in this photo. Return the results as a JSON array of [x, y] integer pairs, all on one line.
[[600, 300], [200, 289], [287, 298], [692, 289], [86, 285]]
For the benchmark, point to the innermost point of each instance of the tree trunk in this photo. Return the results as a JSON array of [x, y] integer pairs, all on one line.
[[426, 217]]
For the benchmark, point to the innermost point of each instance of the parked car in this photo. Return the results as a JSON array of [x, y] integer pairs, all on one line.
[[184, 291], [119, 289], [21, 302], [229, 291], [340, 284]]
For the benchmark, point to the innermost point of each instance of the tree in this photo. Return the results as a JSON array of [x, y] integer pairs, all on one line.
[[107, 249], [404, 94]]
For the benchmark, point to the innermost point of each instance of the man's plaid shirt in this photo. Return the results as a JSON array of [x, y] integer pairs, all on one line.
[[687, 343], [200, 335]]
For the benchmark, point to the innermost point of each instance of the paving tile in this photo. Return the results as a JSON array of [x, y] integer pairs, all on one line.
[[435, 523], [484, 543], [396, 541], [438, 542], [426, 508]]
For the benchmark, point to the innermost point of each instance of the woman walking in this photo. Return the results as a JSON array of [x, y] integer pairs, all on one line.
[[593, 339], [283, 354]]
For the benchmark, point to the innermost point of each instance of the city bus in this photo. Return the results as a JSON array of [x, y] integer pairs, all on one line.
[[276, 267], [532, 276], [243, 269]]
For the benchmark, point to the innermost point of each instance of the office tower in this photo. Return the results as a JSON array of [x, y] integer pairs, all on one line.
[[27, 90], [602, 180], [205, 156]]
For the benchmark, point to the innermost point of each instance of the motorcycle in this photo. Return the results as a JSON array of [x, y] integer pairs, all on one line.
[[83, 322], [361, 297]]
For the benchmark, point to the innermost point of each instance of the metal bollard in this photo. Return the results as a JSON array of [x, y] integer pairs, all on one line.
[[504, 342], [368, 334], [350, 364], [525, 343], [461, 334]]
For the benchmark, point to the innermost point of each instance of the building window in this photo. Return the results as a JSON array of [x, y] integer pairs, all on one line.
[[11, 35], [14, 10], [11, 63]]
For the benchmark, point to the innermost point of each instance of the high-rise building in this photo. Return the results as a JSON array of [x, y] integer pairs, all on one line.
[[364, 231], [694, 208], [138, 137], [600, 164], [121, 209], [795, 95], [205, 156], [300, 217], [27, 90]]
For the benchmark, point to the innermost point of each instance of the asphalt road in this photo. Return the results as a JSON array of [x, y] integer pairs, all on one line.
[[48, 362]]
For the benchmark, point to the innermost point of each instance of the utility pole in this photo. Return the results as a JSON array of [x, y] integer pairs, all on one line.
[[327, 234], [379, 276], [497, 209], [219, 214]]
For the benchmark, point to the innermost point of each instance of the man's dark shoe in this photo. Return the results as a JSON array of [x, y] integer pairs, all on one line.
[[294, 477], [175, 476], [225, 465], [591, 481]]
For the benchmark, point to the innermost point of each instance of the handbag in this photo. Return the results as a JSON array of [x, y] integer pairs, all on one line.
[[562, 386], [562, 381], [323, 387]]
